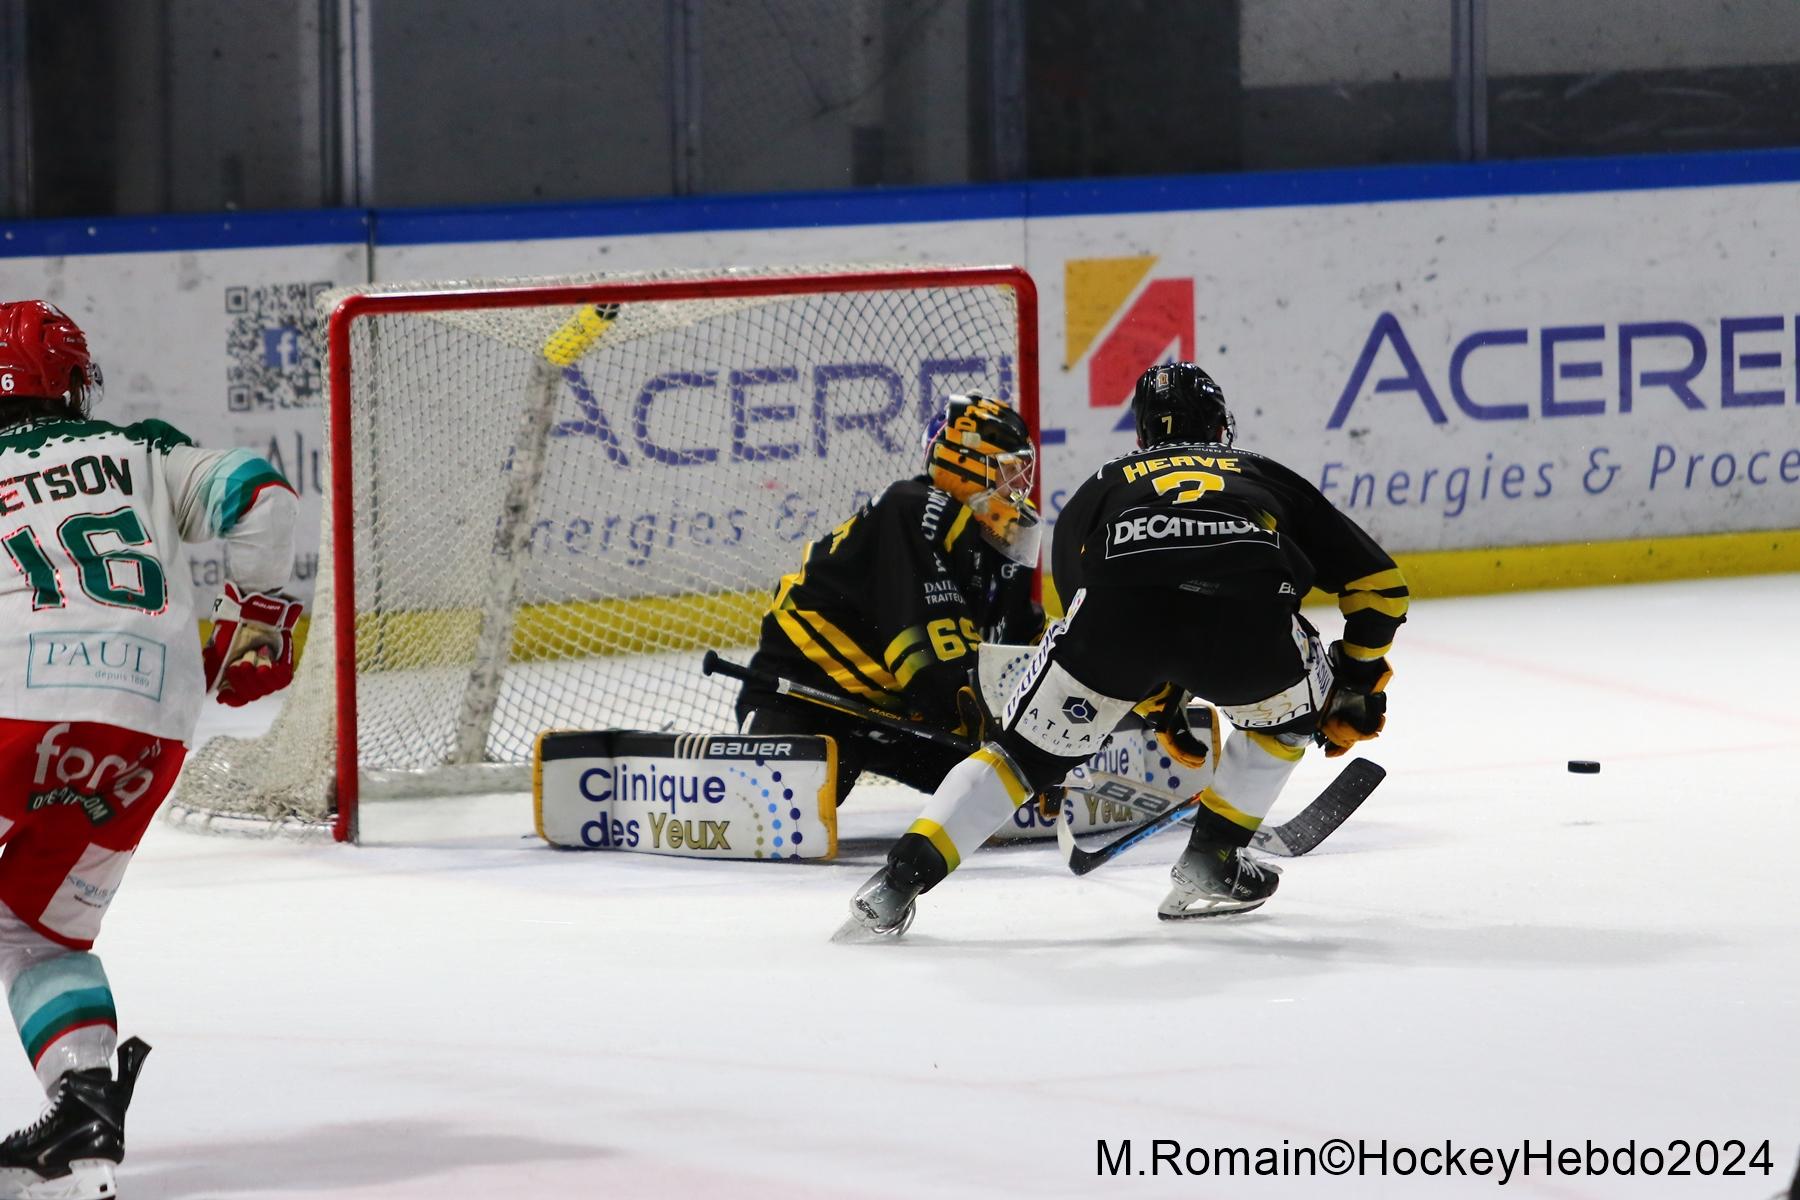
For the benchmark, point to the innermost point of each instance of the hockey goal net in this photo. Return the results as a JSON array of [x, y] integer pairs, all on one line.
[[547, 497]]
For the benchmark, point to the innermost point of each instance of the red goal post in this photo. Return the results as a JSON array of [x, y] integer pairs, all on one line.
[[483, 577]]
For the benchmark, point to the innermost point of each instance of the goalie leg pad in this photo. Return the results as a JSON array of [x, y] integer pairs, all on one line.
[[691, 794]]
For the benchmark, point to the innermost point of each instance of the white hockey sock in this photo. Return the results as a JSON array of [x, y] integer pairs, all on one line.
[[61, 1002], [63, 1008], [1253, 768], [976, 798]]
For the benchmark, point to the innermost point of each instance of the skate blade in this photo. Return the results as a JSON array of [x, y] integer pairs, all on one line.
[[88, 1179], [1228, 909], [855, 932]]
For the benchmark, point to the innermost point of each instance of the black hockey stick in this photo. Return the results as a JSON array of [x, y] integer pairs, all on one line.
[[1320, 819], [712, 664], [1308, 827]]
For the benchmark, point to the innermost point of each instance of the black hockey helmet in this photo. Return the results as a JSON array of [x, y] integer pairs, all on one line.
[[1178, 402]]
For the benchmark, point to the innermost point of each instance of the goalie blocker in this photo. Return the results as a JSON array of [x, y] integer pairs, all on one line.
[[691, 794]]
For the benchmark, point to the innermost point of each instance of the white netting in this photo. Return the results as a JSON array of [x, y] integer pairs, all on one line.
[[543, 546]]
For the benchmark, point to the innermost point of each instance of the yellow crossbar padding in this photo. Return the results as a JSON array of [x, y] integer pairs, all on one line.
[[1224, 808], [1015, 787], [934, 833], [578, 334], [1387, 606], [1274, 747]]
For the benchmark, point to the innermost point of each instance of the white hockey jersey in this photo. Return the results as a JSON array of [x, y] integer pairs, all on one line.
[[97, 618]]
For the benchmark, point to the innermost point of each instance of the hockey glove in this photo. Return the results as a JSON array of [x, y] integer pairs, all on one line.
[[971, 717], [251, 651], [1356, 708], [1166, 711]]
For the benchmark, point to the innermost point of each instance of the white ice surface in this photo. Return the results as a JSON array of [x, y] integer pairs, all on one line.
[[1494, 950]]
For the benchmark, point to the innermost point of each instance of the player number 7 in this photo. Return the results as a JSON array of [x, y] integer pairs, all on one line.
[[1193, 484]]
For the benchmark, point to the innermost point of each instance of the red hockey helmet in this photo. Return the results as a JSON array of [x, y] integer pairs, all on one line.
[[44, 354]]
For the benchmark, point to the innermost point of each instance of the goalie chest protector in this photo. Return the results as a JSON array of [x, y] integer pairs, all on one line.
[[693, 794]]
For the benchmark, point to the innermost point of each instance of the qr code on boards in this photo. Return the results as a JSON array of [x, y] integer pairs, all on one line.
[[275, 347]]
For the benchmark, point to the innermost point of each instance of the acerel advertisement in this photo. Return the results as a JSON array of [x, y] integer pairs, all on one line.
[[1497, 371], [1454, 373]]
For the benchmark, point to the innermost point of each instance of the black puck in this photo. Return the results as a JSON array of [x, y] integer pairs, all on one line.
[[1584, 766]]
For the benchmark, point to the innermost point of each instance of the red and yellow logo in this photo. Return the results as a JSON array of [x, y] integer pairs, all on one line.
[[1126, 322]]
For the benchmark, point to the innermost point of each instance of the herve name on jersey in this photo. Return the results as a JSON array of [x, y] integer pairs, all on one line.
[[90, 475], [1149, 466]]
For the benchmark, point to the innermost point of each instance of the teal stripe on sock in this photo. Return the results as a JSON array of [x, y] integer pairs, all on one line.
[[64, 1013], [59, 975]]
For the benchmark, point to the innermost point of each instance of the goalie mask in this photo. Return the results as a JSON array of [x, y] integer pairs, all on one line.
[[980, 451], [44, 357], [1178, 402]]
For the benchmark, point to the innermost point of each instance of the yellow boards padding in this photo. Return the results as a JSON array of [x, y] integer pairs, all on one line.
[[1579, 564]]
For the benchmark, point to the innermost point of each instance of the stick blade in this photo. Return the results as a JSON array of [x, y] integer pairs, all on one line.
[[1318, 820], [1082, 861]]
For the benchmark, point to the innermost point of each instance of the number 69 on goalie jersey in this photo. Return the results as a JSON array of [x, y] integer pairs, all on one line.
[[691, 794]]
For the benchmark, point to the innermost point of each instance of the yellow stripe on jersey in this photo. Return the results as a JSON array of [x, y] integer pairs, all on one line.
[[957, 526], [904, 644], [1387, 606], [1015, 787], [1380, 581], [934, 833], [850, 652], [1229, 811], [788, 583], [1365, 653], [819, 656], [908, 654], [1275, 747]]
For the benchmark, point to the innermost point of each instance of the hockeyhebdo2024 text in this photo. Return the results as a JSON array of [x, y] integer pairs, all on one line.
[[1742, 377]]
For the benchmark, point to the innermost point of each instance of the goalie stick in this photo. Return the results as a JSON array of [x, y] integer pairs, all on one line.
[[712, 664], [1305, 830]]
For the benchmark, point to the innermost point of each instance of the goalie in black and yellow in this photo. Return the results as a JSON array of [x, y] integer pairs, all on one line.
[[889, 607]]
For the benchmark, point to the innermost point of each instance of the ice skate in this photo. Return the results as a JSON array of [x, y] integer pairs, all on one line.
[[882, 907], [71, 1151], [1214, 879]]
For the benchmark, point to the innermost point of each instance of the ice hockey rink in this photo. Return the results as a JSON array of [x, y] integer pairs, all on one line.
[[1494, 950]]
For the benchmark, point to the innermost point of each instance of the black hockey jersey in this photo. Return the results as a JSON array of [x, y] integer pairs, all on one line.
[[889, 606], [1218, 520]]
